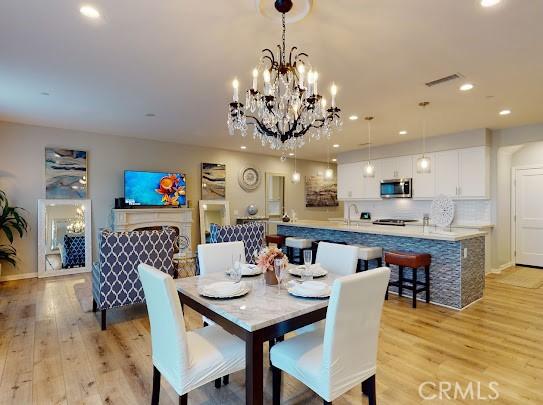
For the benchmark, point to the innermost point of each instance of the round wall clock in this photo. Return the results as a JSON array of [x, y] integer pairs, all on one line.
[[249, 178]]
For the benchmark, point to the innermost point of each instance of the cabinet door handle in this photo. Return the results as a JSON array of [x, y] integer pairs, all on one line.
[[459, 190], [456, 190]]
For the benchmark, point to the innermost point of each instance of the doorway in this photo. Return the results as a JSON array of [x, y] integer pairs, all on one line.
[[528, 216]]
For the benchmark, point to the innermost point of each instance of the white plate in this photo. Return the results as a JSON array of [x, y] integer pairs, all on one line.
[[316, 271], [298, 290], [224, 289], [248, 270]]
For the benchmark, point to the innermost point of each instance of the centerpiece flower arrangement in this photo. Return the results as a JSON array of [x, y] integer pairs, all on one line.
[[266, 261]]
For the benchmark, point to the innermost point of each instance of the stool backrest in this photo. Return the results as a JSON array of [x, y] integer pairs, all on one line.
[[352, 326], [339, 259], [217, 257], [168, 335]]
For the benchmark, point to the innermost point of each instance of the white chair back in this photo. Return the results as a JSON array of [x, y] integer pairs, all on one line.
[[168, 335], [352, 327], [217, 257], [339, 259]]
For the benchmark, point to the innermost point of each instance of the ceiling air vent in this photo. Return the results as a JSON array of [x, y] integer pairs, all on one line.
[[444, 80], [364, 144]]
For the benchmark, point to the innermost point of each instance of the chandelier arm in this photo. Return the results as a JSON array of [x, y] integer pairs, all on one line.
[[290, 55], [271, 56]]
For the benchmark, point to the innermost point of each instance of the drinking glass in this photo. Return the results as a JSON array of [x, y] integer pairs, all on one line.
[[306, 272], [278, 267], [236, 271]]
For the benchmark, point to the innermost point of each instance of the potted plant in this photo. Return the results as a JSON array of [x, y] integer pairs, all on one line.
[[266, 260], [11, 222]]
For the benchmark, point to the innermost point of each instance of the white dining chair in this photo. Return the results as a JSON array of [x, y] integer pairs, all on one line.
[[190, 359], [344, 354], [217, 257], [338, 259]]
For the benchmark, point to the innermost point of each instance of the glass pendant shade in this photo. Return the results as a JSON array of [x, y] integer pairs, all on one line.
[[424, 164], [369, 170], [296, 177], [329, 174]]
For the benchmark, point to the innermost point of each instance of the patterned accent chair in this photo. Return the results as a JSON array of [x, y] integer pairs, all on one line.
[[115, 279], [251, 234], [74, 251]]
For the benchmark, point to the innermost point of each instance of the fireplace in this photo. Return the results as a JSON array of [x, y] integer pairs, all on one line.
[[150, 218]]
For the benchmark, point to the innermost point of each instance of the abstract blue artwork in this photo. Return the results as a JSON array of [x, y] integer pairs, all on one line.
[[65, 173]]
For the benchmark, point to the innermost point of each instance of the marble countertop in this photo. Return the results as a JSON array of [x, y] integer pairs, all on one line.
[[464, 224], [264, 305], [405, 231]]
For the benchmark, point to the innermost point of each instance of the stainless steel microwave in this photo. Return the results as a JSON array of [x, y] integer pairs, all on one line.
[[396, 188]]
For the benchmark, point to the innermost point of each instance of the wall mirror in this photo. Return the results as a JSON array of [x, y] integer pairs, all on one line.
[[212, 212], [64, 237], [275, 195]]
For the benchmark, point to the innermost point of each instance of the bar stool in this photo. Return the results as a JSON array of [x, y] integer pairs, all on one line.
[[414, 261], [297, 245], [278, 240], [367, 253]]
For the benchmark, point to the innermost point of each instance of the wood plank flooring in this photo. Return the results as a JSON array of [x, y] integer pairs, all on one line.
[[51, 352]]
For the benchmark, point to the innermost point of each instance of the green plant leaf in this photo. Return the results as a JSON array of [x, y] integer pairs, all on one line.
[[8, 233]]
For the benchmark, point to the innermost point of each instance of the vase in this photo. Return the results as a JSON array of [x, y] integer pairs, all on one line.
[[270, 278]]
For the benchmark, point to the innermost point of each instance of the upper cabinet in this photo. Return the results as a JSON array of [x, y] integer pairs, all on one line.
[[460, 174], [396, 168], [463, 173]]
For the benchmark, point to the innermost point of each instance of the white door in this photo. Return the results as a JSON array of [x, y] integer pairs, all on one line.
[[404, 167], [529, 217], [371, 186], [424, 183], [349, 181], [446, 167], [388, 169]]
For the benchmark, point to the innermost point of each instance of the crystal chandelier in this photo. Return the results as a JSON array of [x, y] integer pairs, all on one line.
[[288, 111]]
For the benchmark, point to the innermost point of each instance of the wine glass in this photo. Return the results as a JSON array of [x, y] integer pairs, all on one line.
[[278, 267], [236, 271], [255, 256], [306, 272]]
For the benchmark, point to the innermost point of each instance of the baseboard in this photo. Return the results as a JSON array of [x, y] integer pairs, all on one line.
[[501, 268], [22, 276]]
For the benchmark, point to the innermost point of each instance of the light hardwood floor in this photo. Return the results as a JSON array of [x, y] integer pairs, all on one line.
[[51, 352]]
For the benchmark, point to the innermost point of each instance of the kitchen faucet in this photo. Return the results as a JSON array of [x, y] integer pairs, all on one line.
[[349, 213]]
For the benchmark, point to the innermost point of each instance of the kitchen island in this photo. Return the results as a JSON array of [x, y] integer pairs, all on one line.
[[457, 273]]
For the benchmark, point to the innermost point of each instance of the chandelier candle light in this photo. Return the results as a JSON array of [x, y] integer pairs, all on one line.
[[369, 168], [424, 163], [288, 110]]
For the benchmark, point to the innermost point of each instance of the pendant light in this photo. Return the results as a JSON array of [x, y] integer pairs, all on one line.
[[296, 177], [328, 173], [424, 163], [369, 168]]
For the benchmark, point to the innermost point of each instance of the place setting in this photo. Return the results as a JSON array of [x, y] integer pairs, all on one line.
[[234, 287]]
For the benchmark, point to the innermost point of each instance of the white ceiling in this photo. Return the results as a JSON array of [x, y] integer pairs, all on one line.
[[176, 59]]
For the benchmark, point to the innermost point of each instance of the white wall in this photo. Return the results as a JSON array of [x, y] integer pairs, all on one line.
[[22, 149]]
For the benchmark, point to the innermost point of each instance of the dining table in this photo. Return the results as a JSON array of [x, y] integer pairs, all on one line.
[[265, 313]]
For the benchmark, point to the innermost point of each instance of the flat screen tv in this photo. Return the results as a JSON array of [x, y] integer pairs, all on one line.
[[155, 189]]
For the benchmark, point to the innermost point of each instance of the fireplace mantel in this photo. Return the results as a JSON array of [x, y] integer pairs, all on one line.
[[136, 218]]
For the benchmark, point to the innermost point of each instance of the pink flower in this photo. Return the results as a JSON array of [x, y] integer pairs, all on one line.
[[267, 257]]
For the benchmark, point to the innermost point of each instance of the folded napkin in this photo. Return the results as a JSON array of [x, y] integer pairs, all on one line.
[[222, 288], [315, 269], [312, 288]]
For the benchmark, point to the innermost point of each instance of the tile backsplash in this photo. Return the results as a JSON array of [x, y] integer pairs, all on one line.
[[465, 210]]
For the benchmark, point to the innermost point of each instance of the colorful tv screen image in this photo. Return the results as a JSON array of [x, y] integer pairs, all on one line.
[[155, 188]]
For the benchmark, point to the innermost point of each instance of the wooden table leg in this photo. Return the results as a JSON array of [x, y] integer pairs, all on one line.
[[254, 371]]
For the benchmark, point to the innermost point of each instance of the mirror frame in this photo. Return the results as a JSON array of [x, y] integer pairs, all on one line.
[[202, 206], [266, 181], [42, 237]]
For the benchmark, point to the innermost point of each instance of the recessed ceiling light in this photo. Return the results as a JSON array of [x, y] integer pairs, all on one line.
[[505, 112], [89, 12], [291, 154], [353, 117], [335, 145], [150, 115], [489, 3], [243, 147], [403, 132], [334, 160], [466, 87]]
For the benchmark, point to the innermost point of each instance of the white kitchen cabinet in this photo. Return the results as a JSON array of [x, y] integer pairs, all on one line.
[[371, 185], [446, 166], [396, 168], [474, 172], [463, 173], [424, 184], [349, 181]]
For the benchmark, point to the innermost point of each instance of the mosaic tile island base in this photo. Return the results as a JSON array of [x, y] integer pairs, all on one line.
[[457, 273]]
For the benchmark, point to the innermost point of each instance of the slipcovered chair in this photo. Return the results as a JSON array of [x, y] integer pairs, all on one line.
[[191, 359], [252, 234], [115, 280], [217, 257], [334, 360]]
